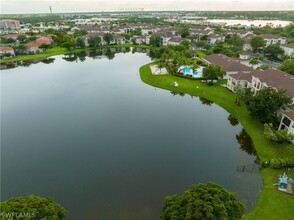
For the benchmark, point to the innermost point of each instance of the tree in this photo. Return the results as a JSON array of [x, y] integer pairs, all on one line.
[[94, 41], [235, 40], [79, 33], [213, 72], [203, 201], [202, 44], [155, 40], [7, 40], [253, 61], [195, 66], [185, 32], [80, 43], [288, 66], [239, 92], [108, 37], [186, 44], [257, 42], [266, 103], [174, 59], [273, 51], [7, 55], [137, 31], [21, 48], [68, 43], [279, 136], [34, 206], [21, 39], [45, 46]]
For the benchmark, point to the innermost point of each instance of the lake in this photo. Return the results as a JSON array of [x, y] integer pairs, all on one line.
[[257, 23], [85, 130]]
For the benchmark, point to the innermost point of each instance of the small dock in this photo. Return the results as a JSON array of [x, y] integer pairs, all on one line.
[[251, 168]]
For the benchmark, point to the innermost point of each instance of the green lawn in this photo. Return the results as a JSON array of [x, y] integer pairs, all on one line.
[[200, 53], [271, 203], [50, 52], [60, 50]]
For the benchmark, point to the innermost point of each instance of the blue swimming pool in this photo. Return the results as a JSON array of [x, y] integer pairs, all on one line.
[[187, 70]]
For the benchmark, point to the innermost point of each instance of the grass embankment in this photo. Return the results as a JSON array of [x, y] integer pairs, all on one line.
[[271, 204], [60, 50]]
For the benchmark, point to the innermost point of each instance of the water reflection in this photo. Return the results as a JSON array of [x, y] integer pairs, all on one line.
[[70, 57], [48, 60], [205, 101], [245, 142], [233, 121], [120, 153], [81, 56], [174, 93]]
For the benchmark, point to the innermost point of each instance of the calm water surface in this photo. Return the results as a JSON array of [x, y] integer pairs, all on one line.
[[257, 23], [107, 146]]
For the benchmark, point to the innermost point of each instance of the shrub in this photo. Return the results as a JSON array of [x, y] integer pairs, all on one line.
[[278, 163], [200, 62], [279, 136]]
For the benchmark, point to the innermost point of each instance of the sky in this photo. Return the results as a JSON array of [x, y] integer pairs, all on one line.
[[42, 6]]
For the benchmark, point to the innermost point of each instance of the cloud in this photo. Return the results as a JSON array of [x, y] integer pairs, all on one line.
[[42, 6]]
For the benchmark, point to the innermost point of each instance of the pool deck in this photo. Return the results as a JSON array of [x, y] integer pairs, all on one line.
[[157, 71]]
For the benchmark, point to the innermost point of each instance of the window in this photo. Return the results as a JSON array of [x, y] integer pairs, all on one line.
[[286, 121]]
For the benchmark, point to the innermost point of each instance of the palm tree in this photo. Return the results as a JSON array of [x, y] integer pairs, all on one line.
[[194, 66], [160, 64]]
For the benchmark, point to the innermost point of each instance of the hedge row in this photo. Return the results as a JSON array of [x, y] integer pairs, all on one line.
[[277, 163]]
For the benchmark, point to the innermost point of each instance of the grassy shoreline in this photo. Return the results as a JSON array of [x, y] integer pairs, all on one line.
[[60, 50], [271, 203]]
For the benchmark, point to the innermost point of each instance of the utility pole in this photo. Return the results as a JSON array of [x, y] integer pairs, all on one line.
[[50, 10]]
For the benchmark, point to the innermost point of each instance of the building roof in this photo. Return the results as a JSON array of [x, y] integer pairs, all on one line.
[[242, 32], [176, 39], [288, 45], [14, 35], [32, 44], [228, 64], [271, 36], [277, 79], [116, 36], [248, 38], [44, 40], [289, 115], [165, 34], [200, 28], [6, 48], [291, 107], [9, 20], [242, 76], [200, 32], [213, 36]]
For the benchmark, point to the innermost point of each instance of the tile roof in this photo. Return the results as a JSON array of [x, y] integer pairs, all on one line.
[[176, 39], [288, 45], [289, 114], [14, 35], [271, 36], [242, 76], [228, 64], [44, 40], [32, 44], [5, 48], [291, 107], [277, 79]]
